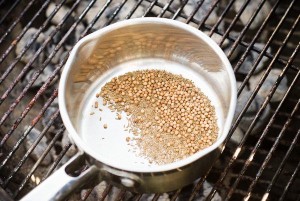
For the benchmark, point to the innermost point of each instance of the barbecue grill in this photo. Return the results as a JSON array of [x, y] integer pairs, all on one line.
[[260, 160]]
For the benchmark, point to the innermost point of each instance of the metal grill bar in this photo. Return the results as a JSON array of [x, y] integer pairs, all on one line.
[[9, 11], [268, 157], [176, 14], [138, 197], [38, 162], [195, 11], [242, 43], [18, 38], [27, 46], [263, 51], [200, 183], [56, 162], [98, 15], [242, 34], [175, 196], [261, 81], [106, 192], [36, 74], [281, 166], [292, 179], [223, 38], [265, 75], [259, 51], [222, 16], [26, 155], [150, 8], [121, 195], [18, 20], [262, 107], [248, 161], [201, 23], [232, 23], [86, 195], [46, 105], [85, 32], [133, 9], [156, 197], [165, 8], [49, 80], [17, 145], [115, 13], [198, 186]]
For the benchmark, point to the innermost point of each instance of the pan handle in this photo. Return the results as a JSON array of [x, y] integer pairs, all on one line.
[[59, 185]]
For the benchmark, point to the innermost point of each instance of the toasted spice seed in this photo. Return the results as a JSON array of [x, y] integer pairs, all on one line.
[[170, 117], [96, 104], [127, 139], [119, 116], [105, 126], [92, 113]]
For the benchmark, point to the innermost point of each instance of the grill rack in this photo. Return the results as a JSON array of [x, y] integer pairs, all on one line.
[[243, 174]]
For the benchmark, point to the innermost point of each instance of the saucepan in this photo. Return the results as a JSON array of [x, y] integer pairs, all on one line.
[[136, 44]]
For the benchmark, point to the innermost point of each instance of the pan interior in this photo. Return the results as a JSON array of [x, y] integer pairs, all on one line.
[[110, 144], [131, 45]]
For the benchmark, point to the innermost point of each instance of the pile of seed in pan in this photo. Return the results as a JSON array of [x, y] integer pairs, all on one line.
[[170, 117]]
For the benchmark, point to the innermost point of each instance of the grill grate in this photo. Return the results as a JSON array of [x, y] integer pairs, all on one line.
[[263, 165]]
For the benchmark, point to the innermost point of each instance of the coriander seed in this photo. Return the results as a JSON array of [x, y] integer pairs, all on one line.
[[170, 117]]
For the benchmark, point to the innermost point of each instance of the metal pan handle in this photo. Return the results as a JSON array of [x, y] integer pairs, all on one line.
[[59, 185]]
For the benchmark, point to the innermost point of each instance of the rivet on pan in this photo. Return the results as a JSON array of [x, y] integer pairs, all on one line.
[[127, 182]]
